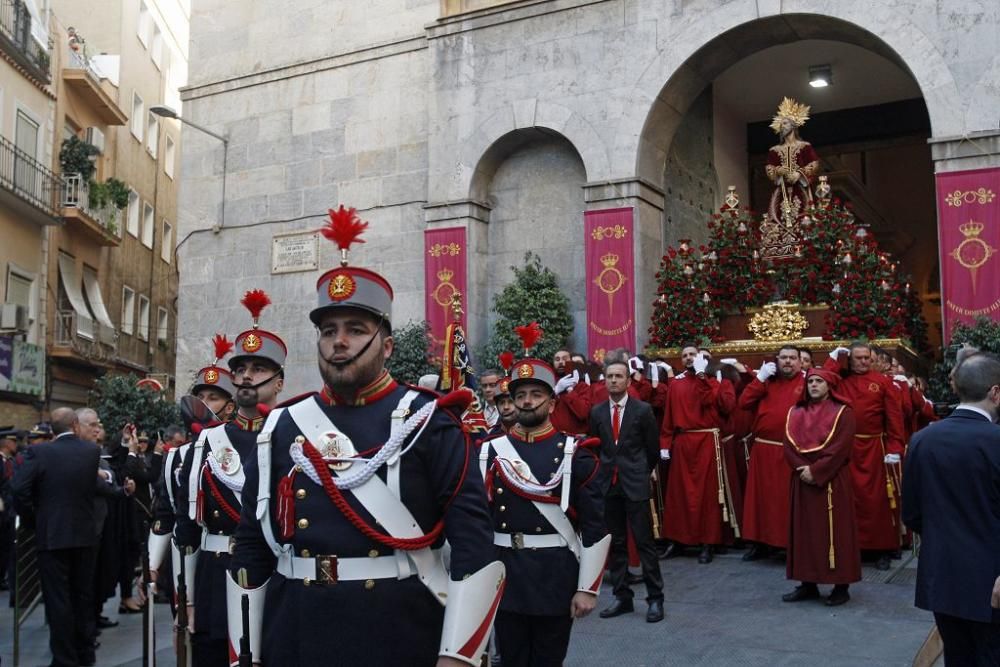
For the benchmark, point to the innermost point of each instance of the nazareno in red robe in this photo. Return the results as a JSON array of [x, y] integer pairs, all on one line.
[[822, 541]]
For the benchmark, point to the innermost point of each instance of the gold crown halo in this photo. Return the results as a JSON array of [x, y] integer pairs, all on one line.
[[609, 260], [971, 229], [445, 275], [791, 110]]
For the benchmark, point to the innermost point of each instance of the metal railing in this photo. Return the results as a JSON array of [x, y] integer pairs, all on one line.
[[76, 194], [15, 33], [28, 178]]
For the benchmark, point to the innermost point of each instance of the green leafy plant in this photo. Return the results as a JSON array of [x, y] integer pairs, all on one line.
[[533, 296], [118, 401], [117, 193], [983, 334], [410, 356], [75, 157]]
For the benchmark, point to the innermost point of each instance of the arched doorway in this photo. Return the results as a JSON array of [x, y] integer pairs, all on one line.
[[707, 129]]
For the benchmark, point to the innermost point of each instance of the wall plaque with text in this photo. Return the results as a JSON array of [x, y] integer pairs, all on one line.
[[298, 251]]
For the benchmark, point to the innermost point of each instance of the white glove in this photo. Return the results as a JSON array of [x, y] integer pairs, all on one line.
[[837, 352], [766, 371], [654, 373], [567, 382], [718, 376], [730, 361], [892, 458], [901, 378], [666, 368], [664, 454], [700, 364], [635, 364]]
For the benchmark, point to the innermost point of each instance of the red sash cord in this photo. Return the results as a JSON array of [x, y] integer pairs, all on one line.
[[214, 490]]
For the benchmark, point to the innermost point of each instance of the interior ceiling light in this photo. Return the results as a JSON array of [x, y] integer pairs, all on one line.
[[820, 76]]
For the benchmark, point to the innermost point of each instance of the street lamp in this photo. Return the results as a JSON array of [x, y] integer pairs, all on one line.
[[164, 111]]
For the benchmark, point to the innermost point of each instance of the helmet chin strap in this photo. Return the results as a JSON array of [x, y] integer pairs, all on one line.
[[341, 365], [261, 383]]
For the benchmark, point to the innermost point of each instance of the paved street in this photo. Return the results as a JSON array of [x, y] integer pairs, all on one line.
[[725, 613]]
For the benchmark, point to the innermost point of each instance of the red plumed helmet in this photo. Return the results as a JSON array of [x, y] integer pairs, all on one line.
[[529, 334], [345, 229], [255, 300]]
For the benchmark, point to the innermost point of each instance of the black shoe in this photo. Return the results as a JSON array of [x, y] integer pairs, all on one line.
[[757, 552], [655, 612], [838, 596], [633, 579], [105, 622], [673, 550], [706, 555], [802, 592], [617, 608], [883, 562]]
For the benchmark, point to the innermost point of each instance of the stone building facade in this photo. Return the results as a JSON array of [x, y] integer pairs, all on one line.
[[514, 118]]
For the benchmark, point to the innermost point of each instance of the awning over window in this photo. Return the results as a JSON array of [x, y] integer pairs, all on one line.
[[71, 283], [93, 290]]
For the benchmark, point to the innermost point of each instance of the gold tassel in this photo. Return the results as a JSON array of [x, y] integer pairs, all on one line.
[[829, 511]]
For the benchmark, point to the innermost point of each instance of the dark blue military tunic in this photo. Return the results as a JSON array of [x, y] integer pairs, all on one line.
[[542, 582], [378, 621], [210, 577]]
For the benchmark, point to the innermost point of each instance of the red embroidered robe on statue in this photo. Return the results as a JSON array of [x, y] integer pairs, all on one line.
[[879, 431], [695, 411], [823, 545], [765, 510]]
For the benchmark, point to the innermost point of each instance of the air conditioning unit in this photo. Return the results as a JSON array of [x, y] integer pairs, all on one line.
[[14, 317], [95, 138]]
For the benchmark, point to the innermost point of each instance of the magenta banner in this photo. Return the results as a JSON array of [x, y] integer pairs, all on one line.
[[610, 280]]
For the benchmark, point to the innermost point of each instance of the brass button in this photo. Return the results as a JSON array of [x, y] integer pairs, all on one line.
[[538, 529], [217, 554], [369, 584], [305, 553], [555, 460], [298, 468], [373, 553], [303, 523], [560, 445], [300, 494], [300, 439], [306, 581], [503, 525], [466, 576], [503, 508], [215, 514], [500, 490]]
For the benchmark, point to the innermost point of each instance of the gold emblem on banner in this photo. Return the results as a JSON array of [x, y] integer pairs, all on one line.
[[778, 322], [445, 291], [979, 196], [616, 232], [973, 252], [439, 249], [610, 279]]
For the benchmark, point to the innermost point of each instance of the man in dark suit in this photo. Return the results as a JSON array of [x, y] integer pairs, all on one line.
[[630, 450], [951, 498], [54, 490]]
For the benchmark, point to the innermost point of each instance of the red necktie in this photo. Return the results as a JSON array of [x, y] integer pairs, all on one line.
[[616, 421]]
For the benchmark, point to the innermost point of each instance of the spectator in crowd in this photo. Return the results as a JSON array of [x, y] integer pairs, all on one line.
[[8, 450], [54, 492], [950, 499]]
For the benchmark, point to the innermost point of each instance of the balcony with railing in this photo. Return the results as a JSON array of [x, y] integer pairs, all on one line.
[[27, 185], [82, 74], [17, 42], [84, 338], [100, 223]]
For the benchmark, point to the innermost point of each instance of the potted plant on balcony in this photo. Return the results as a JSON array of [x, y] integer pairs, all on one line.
[[77, 157]]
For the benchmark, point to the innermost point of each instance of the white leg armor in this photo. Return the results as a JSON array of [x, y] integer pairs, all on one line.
[[190, 564], [157, 549], [468, 615], [234, 612], [592, 561]]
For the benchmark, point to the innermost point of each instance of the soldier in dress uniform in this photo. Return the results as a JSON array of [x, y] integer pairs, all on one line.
[[213, 386], [350, 499], [211, 482], [548, 518]]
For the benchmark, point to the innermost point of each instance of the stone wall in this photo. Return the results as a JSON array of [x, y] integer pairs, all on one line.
[[387, 107]]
